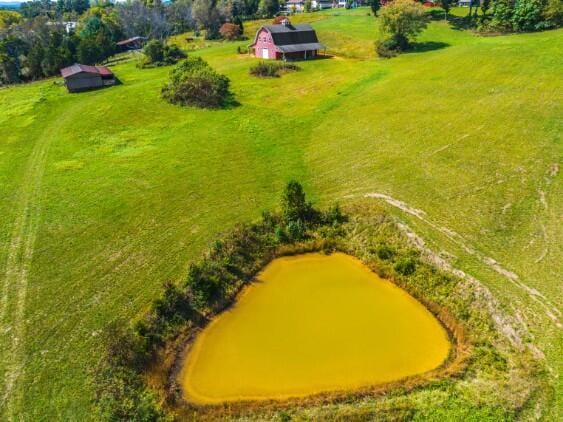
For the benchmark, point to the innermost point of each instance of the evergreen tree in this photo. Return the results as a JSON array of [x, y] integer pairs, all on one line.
[[89, 52], [485, 6], [375, 5], [54, 58], [237, 20], [269, 8], [502, 15], [11, 49], [553, 13], [207, 17], [294, 205], [446, 5], [526, 15], [35, 57]]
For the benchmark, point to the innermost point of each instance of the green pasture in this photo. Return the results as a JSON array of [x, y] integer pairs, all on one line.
[[107, 194]]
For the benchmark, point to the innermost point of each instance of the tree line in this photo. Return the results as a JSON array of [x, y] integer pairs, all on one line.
[[400, 21], [40, 42], [43, 42], [511, 15]]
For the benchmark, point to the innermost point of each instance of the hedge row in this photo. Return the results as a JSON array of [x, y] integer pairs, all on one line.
[[211, 284]]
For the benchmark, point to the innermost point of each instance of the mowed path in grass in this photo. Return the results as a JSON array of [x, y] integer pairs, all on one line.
[[19, 251], [131, 188]]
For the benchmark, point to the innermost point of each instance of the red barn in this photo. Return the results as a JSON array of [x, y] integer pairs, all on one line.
[[286, 41]]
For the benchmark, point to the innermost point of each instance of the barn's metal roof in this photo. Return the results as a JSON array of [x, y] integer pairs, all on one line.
[[130, 40], [292, 38], [79, 68]]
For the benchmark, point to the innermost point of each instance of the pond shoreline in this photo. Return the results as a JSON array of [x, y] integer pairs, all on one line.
[[479, 377], [173, 395]]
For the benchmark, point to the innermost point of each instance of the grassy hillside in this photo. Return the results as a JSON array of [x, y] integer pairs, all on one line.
[[104, 195]]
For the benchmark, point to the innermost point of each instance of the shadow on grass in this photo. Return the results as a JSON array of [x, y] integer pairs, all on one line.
[[462, 23], [459, 23], [422, 47], [230, 102], [319, 56]]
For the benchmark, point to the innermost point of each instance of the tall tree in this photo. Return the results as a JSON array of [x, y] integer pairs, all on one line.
[[375, 5], [9, 18], [136, 19], [11, 49], [553, 13], [179, 16], [446, 5], [54, 58], [502, 15], [269, 8], [89, 52], [485, 6], [294, 205], [207, 17], [402, 21], [251, 7], [35, 57]]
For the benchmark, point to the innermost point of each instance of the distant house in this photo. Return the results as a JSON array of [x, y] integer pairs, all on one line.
[[322, 4], [468, 3], [295, 5], [134, 43], [69, 26], [286, 41], [80, 77], [299, 5]]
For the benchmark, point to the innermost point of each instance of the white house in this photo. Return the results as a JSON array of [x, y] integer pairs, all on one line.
[[467, 3], [322, 4], [67, 25], [299, 5]]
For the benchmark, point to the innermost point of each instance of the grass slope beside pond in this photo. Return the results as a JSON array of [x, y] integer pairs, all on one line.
[[117, 190]]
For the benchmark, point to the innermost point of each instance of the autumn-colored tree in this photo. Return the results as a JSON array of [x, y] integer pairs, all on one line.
[[230, 31]]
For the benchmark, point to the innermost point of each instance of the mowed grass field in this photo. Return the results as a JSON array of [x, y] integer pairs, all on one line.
[[105, 195]]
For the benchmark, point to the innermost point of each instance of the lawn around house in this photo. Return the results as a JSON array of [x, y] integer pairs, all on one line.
[[107, 194]]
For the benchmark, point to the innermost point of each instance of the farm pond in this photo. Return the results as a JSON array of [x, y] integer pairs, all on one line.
[[312, 324]]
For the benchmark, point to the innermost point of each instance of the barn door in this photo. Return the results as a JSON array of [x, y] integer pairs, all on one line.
[[265, 54]]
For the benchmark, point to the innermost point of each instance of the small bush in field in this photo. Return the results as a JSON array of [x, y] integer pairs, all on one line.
[[230, 31], [194, 83], [271, 69], [386, 48], [385, 252], [405, 266], [158, 54], [173, 54]]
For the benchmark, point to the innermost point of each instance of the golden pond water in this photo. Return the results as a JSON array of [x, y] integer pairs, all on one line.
[[312, 323]]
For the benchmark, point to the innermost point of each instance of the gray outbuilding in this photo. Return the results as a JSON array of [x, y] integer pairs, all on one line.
[[80, 77]]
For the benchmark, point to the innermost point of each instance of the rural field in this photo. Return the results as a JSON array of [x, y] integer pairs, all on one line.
[[107, 194]]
